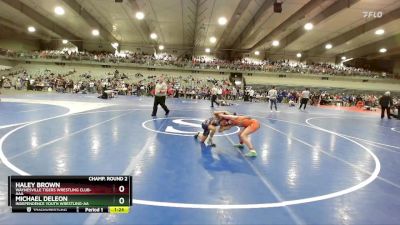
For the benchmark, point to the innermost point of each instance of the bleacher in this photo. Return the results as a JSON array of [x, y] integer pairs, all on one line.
[[99, 72]]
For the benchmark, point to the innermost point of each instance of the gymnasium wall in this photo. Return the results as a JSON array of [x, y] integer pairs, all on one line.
[[7, 63], [396, 67], [332, 83], [17, 40], [19, 44]]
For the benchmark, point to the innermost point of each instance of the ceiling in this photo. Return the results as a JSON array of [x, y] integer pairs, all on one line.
[[188, 24]]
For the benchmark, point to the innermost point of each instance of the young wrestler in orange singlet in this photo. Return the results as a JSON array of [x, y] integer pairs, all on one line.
[[248, 126]]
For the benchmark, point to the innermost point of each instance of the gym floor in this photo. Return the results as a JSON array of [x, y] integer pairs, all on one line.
[[318, 166]]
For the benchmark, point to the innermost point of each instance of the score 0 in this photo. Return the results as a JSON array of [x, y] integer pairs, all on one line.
[[122, 189]]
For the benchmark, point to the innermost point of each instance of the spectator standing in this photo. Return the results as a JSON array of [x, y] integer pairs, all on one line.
[[219, 92], [160, 95], [305, 95], [251, 95], [234, 93], [91, 87], [386, 102], [272, 95], [397, 105], [1, 81]]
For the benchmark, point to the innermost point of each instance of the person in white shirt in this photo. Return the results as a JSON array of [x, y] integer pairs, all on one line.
[[234, 93], [251, 94], [219, 92], [272, 95], [91, 86], [160, 95], [305, 95]]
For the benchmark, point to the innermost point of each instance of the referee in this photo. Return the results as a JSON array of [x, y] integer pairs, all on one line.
[[160, 95], [214, 92]]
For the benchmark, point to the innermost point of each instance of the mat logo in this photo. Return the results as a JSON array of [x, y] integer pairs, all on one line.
[[189, 102], [180, 123], [179, 126]]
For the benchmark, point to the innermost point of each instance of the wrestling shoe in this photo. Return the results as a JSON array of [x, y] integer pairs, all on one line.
[[251, 153], [210, 143], [238, 145]]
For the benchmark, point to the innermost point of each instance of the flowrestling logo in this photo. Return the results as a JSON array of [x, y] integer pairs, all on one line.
[[372, 14], [180, 126]]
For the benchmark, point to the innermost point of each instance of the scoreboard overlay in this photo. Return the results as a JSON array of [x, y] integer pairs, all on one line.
[[70, 194]]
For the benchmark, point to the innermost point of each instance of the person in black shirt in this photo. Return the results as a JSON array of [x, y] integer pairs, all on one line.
[[386, 102]]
